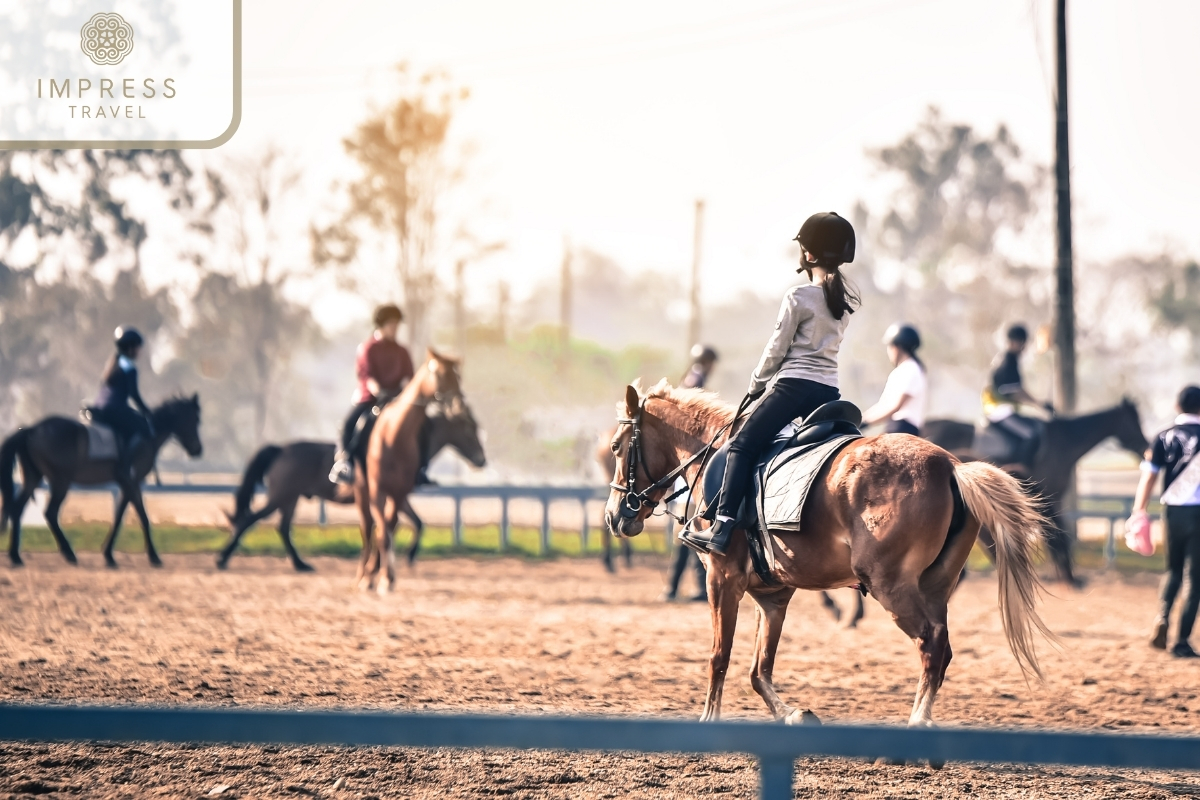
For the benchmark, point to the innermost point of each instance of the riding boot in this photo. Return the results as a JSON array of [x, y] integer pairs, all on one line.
[[343, 468], [713, 540]]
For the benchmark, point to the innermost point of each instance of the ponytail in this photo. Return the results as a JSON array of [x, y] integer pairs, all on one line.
[[840, 295]]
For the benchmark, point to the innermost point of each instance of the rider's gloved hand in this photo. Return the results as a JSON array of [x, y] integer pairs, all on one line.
[[755, 392]]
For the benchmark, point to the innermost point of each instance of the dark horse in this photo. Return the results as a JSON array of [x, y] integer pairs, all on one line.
[[1064, 442], [302, 468], [57, 449]]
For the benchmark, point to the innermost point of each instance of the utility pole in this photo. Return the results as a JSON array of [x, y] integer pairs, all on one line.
[[564, 301], [502, 311], [694, 321], [460, 311], [1064, 297]]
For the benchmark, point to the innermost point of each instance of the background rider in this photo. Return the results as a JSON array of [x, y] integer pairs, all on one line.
[[1002, 400], [383, 367], [905, 394], [119, 388]]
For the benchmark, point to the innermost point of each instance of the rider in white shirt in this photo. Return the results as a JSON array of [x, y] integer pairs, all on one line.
[[904, 397]]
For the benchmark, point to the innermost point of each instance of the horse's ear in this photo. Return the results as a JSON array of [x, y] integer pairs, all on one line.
[[196, 399], [632, 401]]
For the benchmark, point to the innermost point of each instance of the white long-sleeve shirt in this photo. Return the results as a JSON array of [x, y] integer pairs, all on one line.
[[806, 340]]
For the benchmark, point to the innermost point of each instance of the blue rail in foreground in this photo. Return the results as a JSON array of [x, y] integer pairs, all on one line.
[[776, 746]]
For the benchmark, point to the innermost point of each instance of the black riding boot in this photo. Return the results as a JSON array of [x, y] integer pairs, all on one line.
[[714, 540], [125, 453]]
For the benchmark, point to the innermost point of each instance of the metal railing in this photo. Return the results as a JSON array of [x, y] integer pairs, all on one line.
[[1113, 508], [775, 746]]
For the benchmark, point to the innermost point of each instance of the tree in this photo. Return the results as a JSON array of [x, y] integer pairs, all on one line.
[[245, 330], [956, 237], [400, 153]]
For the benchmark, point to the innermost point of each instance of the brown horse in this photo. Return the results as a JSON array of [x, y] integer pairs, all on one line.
[[880, 515], [393, 457]]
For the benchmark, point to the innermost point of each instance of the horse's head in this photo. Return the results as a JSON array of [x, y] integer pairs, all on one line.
[[454, 425], [1129, 428], [180, 417], [443, 371], [643, 455]]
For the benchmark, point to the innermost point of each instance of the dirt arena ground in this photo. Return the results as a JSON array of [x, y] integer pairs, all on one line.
[[494, 634]]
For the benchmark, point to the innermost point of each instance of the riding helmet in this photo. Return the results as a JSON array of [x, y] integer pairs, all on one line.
[[127, 338], [904, 336], [1018, 333], [828, 237], [703, 352]]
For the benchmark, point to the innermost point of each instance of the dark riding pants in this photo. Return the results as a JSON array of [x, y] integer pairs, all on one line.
[[902, 426], [124, 420], [684, 554], [1183, 546], [351, 435], [787, 399]]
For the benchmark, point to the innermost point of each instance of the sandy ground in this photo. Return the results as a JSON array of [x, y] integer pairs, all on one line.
[[561, 636]]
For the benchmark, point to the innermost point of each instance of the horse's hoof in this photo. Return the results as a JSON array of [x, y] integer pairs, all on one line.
[[111, 563], [222, 563], [889, 762], [156, 563], [610, 567], [15, 560], [798, 717], [302, 566], [936, 764]]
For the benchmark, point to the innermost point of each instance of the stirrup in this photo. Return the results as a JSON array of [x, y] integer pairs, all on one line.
[[715, 539]]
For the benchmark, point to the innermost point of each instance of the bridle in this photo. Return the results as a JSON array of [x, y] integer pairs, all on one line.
[[633, 499]]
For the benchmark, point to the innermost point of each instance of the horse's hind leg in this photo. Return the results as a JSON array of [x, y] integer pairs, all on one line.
[[923, 618], [770, 614], [418, 529], [239, 531], [285, 533], [30, 479], [58, 493], [606, 538]]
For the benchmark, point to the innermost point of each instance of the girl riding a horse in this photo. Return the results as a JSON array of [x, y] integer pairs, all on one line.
[[120, 386], [802, 358]]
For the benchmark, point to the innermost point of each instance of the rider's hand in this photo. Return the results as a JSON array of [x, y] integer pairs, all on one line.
[[755, 392]]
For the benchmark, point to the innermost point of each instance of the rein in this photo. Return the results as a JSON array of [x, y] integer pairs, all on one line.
[[634, 499]]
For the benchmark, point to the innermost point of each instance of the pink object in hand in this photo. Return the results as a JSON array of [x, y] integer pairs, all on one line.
[[1137, 534]]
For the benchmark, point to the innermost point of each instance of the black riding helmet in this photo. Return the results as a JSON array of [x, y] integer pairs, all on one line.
[[127, 339], [904, 336], [829, 238]]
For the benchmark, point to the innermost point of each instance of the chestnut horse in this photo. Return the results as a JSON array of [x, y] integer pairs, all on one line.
[[880, 515], [393, 457]]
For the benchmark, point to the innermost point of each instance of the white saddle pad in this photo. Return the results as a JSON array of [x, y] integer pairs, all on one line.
[[102, 442]]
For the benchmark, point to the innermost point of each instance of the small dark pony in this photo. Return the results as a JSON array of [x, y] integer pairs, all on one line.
[[57, 449]]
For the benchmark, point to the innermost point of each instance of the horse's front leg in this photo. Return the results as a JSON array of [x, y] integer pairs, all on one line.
[[771, 612], [139, 506], [366, 528], [726, 585], [110, 541], [418, 529]]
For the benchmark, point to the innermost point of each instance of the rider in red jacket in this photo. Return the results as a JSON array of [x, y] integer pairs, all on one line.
[[384, 368]]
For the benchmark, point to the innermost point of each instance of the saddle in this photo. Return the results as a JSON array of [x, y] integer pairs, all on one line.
[[999, 445], [102, 440], [783, 477]]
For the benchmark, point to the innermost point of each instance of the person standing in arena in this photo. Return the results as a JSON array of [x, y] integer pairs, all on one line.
[[704, 358], [902, 403], [1174, 454], [383, 367]]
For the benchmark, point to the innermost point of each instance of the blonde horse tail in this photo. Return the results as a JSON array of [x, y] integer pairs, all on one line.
[[997, 500]]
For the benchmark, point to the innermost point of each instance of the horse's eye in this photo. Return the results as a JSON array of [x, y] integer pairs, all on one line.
[[616, 447]]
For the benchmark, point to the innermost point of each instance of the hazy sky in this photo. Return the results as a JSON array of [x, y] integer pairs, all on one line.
[[604, 121]]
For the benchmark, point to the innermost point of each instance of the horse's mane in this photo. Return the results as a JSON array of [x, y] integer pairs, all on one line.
[[172, 404], [699, 410]]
